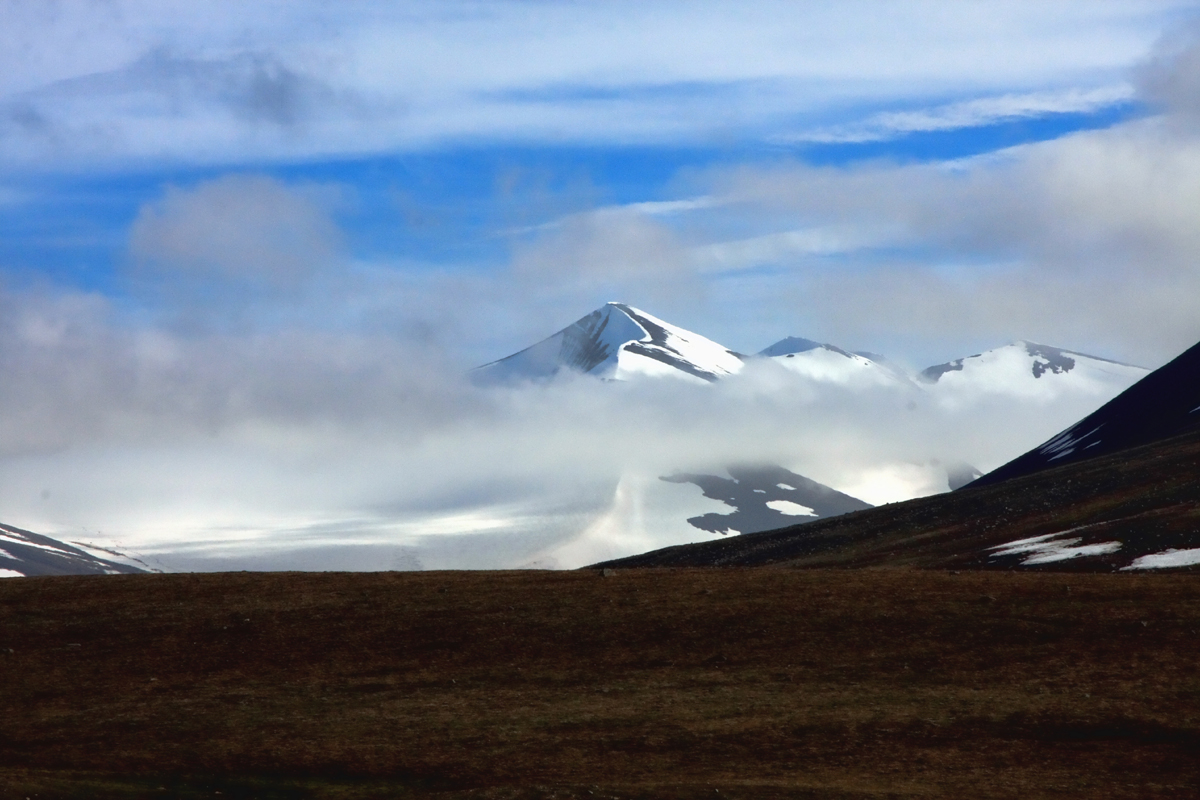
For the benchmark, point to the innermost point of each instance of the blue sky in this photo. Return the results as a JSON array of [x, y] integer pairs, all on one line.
[[453, 139]]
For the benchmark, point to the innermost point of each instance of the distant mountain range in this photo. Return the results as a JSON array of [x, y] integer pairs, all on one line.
[[622, 343], [618, 342]]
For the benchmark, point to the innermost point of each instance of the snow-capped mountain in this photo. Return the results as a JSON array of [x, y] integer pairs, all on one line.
[[869, 432], [1028, 372], [26, 554], [617, 342], [1036, 386], [830, 363], [1163, 403]]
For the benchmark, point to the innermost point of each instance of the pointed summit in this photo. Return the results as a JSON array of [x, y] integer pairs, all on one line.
[[616, 342]]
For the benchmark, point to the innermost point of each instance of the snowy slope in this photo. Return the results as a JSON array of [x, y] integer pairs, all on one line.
[[24, 554], [832, 364], [1030, 372], [617, 342], [1162, 404]]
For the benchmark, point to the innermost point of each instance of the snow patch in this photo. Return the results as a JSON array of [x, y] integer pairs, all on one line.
[[1049, 548], [1167, 559], [791, 509], [10, 573], [21, 540]]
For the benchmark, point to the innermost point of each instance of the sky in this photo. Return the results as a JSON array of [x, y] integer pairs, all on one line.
[[278, 233]]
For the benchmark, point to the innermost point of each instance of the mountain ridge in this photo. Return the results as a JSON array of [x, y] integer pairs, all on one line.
[[1162, 404]]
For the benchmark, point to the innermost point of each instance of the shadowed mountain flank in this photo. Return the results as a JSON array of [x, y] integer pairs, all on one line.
[[1138, 509], [29, 554], [765, 497], [1162, 404]]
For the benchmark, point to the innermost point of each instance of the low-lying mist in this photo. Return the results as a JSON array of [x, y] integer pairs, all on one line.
[[311, 449]]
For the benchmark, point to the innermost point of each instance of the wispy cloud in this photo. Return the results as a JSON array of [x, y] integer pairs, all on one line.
[[973, 113], [135, 80]]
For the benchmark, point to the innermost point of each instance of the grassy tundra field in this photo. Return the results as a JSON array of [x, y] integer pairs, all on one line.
[[763, 683]]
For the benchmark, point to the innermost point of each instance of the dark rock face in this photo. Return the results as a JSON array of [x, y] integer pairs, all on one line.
[[931, 374], [583, 346], [749, 490], [1049, 359], [790, 346]]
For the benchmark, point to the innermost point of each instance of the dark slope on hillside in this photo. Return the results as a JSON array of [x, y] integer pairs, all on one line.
[[33, 554], [1101, 514], [1162, 404]]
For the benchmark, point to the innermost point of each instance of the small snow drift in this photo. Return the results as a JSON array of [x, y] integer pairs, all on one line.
[[26, 554], [1164, 403], [616, 342]]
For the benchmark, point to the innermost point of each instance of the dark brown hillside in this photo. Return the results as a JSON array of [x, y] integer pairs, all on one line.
[[642, 684], [1146, 498]]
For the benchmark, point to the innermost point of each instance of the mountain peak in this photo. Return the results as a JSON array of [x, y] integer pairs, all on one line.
[[792, 345], [617, 342], [1026, 356], [830, 364]]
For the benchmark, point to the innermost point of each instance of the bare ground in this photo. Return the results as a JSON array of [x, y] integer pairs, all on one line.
[[658, 683]]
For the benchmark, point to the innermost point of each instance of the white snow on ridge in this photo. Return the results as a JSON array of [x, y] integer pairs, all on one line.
[[1166, 559], [828, 364], [21, 540], [10, 573], [618, 342], [1030, 372]]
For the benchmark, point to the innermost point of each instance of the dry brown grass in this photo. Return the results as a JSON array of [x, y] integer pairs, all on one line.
[[656, 683]]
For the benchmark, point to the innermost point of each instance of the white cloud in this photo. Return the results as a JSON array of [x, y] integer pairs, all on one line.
[[249, 449], [242, 233], [971, 113], [136, 79]]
